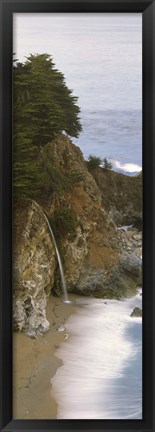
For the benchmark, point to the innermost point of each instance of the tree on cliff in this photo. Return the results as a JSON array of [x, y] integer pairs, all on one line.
[[107, 164], [43, 106], [93, 162]]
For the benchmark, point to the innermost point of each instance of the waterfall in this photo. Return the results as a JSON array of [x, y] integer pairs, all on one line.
[[66, 300]]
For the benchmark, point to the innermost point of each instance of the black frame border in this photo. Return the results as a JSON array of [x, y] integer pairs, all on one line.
[[147, 8]]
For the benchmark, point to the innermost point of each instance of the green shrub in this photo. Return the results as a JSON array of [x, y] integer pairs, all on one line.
[[64, 223], [93, 162], [106, 164], [55, 180]]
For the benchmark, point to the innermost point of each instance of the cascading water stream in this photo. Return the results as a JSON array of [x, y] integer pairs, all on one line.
[[66, 300]]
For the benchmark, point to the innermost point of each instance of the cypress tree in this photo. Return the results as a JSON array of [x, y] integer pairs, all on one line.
[[43, 106]]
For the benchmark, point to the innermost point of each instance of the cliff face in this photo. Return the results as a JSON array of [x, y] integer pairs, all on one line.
[[98, 258], [34, 265], [121, 196]]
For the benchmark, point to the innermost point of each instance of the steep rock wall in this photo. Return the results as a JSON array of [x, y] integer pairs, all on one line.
[[34, 265], [121, 195]]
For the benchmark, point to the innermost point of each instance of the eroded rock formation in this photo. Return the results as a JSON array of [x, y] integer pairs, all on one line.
[[34, 264]]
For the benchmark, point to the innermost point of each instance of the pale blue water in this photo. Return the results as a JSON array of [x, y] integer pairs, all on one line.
[[101, 58], [110, 133]]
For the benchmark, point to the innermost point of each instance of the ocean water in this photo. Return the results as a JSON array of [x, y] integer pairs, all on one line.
[[100, 55], [113, 134], [101, 375]]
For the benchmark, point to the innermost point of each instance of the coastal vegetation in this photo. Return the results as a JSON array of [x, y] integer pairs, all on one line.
[[106, 164], [96, 161], [64, 223], [43, 106]]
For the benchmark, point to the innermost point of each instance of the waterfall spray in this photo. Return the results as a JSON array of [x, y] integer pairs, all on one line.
[[66, 300]]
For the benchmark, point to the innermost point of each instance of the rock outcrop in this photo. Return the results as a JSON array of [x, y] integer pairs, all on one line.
[[34, 265], [121, 195], [99, 259], [137, 312]]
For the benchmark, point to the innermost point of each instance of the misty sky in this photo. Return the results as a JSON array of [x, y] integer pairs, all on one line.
[[75, 39]]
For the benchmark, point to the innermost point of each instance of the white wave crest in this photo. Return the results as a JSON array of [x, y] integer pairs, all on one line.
[[128, 167]]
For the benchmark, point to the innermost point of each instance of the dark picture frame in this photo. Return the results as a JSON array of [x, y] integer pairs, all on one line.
[[147, 8]]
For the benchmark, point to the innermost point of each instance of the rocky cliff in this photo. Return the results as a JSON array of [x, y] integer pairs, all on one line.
[[34, 264], [99, 259], [121, 196]]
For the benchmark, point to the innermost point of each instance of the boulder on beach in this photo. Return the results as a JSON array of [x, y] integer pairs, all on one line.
[[137, 312]]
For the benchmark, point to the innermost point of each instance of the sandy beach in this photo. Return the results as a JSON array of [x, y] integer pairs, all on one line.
[[35, 363]]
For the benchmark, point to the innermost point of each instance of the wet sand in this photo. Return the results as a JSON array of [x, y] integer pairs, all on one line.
[[35, 363]]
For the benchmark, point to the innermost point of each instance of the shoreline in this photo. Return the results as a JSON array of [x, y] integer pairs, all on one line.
[[93, 383], [35, 363]]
